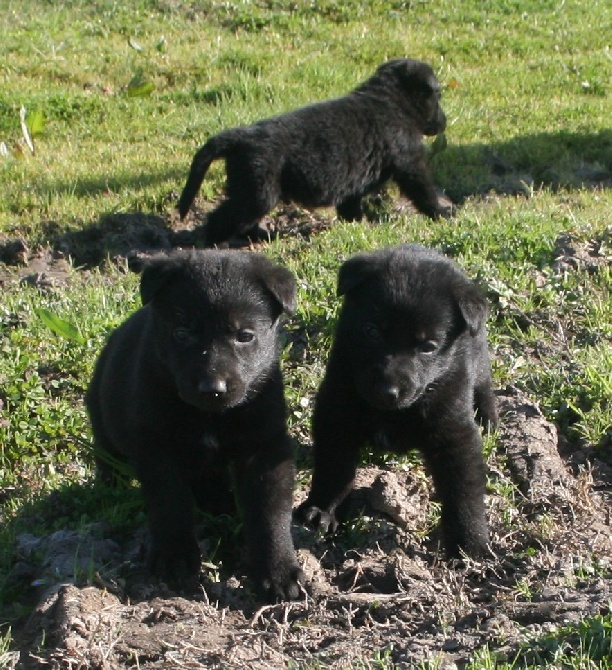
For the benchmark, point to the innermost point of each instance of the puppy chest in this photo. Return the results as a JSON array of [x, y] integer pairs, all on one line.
[[199, 449], [396, 432]]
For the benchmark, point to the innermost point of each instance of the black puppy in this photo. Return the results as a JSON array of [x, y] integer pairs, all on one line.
[[191, 383], [408, 367], [329, 153]]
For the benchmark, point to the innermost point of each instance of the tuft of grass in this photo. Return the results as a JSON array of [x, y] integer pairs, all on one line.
[[585, 645]]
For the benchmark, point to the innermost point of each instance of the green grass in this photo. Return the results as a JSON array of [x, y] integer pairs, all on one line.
[[576, 647], [527, 97]]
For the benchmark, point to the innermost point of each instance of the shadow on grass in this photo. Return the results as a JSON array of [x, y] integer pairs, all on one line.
[[116, 236], [544, 160], [106, 181], [54, 537], [561, 160]]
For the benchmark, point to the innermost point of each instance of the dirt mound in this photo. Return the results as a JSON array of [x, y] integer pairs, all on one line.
[[122, 238], [379, 589]]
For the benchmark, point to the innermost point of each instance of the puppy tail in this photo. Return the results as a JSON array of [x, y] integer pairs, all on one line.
[[213, 149]]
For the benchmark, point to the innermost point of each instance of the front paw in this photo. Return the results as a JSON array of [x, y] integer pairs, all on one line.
[[174, 561], [446, 209], [310, 515], [283, 582], [472, 542]]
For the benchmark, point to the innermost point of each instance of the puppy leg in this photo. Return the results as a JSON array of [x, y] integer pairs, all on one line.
[[212, 492], [174, 554], [458, 470], [416, 183], [233, 217], [252, 191], [265, 483], [337, 440], [486, 406], [350, 209]]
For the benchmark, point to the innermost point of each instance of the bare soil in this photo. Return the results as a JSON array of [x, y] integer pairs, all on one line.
[[381, 586], [378, 589]]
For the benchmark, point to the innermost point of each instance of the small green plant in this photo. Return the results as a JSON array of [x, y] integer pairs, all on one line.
[[382, 659], [58, 325], [579, 646], [524, 588], [8, 658]]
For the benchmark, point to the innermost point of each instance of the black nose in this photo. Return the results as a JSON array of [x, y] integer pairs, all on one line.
[[388, 391], [214, 386]]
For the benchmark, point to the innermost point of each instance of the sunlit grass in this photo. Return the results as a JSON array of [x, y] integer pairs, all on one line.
[[526, 91]]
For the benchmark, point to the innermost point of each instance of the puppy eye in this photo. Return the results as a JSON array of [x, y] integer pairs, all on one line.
[[181, 335], [245, 336], [371, 330], [428, 347]]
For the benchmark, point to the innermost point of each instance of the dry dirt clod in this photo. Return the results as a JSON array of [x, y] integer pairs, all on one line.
[[376, 586]]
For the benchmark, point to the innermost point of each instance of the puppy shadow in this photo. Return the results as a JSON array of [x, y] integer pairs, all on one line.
[[95, 535], [559, 160], [119, 237], [123, 237]]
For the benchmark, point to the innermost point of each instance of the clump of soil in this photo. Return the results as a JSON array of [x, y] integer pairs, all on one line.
[[380, 586], [121, 238]]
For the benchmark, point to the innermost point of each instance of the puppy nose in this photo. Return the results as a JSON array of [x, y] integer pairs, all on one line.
[[214, 386], [388, 390]]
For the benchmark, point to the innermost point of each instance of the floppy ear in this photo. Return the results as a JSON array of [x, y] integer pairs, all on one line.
[[158, 272], [281, 284], [418, 77], [473, 306], [354, 271]]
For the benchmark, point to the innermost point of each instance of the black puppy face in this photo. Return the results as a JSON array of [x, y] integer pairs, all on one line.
[[403, 323], [419, 83], [217, 324], [433, 115]]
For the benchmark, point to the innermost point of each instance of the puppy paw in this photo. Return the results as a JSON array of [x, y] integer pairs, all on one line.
[[315, 517], [284, 582], [474, 545], [174, 562], [447, 211]]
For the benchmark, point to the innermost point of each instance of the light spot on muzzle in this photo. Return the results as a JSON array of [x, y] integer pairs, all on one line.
[[214, 387]]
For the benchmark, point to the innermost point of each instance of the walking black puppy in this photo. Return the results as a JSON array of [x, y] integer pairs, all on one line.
[[328, 154], [191, 383], [408, 367]]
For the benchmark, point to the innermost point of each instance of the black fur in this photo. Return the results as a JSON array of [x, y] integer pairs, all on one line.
[[408, 367], [191, 383], [329, 153]]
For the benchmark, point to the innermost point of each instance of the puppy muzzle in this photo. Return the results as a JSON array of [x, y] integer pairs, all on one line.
[[388, 395], [436, 127], [212, 394]]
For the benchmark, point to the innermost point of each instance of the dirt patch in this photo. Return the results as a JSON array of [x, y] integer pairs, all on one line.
[[378, 589], [592, 256], [123, 238], [42, 267]]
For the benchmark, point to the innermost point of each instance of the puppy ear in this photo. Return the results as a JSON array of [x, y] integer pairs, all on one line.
[[355, 271], [281, 284], [419, 78], [473, 306], [158, 272]]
